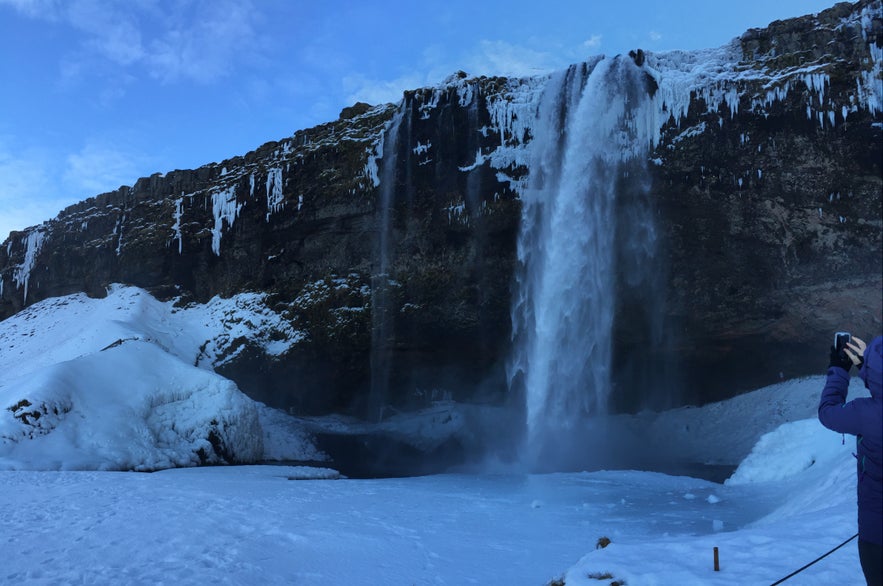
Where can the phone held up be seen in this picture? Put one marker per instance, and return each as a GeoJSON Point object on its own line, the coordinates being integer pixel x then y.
{"type": "Point", "coordinates": [841, 339]}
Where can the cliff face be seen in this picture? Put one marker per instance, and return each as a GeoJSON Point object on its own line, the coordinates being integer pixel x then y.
{"type": "Point", "coordinates": [772, 203]}
{"type": "Point", "coordinates": [387, 240]}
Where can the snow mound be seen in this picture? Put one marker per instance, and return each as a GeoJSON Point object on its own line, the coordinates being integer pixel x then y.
{"type": "Point", "coordinates": [125, 383]}
{"type": "Point", "coordinates": [788, 451]}
{"type": "Point", "coordinates": [131, 407]}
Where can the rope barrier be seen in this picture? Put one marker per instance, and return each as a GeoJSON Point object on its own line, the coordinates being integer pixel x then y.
{"type": "Point", "coordinates": [794, 573]}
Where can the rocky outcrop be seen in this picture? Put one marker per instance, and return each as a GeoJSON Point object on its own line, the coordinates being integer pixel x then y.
{"type": "Point", "coordinates": [388, 237]}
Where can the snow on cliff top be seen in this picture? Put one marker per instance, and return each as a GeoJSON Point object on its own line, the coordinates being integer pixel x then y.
{"type": "Point", "coordinates": [62, 328]}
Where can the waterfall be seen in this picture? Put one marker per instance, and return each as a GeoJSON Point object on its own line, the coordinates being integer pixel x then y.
{"type": "Point", "coordinates": [382, 310]}
{"type": "Point", "coordinates": [596, 122]}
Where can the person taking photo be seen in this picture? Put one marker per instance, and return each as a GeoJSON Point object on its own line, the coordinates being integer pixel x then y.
{"type": "Point", "coordinates": [863, 418]}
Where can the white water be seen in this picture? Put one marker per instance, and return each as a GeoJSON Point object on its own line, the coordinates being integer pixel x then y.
{"type": "Point", "coordinates": [593, 119]}
{"type": "Point", "coordinates": [381, 320]}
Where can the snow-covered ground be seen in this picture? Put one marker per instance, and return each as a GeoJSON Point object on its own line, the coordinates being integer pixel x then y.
{"type": "Point", "coordinates": [115, 387]}
{"type": "Point", "coordinates": [267, 525]}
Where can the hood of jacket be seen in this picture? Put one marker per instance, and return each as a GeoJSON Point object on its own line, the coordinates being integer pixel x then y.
{"type": "Point", "coordinates": [872, 369]}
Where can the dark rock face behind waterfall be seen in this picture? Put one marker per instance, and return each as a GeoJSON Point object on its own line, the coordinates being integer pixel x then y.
{"type": "Point", "coordinates": [766, 190]}
{"type": "Point", "coordinates": [773, 216]}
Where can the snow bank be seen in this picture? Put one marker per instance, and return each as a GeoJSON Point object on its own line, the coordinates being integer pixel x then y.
{"type": "Point", "coordinates": [132, 407]}
{"type": "Point", "coordinates": [725, 432]}
{"type": "Point", "coordinates": [804, 474]}
{"type": "Point", "coordinates": [815, 464]}
{"type": "Point", "coordinates": [789, 450]}
{"type": "Point", "coordinates": [125, 382]}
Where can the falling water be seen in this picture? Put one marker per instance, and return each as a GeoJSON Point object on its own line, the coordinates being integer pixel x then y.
{"type": "Point", "coordinates": [382, 314]}
{"type": "Point", "coordinates": [594, 124]}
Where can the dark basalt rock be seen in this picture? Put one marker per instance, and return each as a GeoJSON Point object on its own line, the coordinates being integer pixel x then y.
{"type": "Point", "coordinates": [638, 57]}
{"type": "Point", "coordinates": [356, 109]}
{"type": "Point", "coordinates": [768, 209]}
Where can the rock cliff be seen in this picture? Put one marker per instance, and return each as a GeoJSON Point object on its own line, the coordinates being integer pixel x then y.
{"type": "Point", "coordinates": [386, 241]}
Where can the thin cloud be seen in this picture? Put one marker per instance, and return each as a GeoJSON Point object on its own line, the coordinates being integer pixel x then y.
{"type": "Point", "coordinates": [223, 35]}
{"type": "Point", "coordinates": [199, 41]}
{"type": "Point", "coordinates": [487, 58]}
{"type": "Point", "coordinates": [593, 42]}
{"type": "Point", "coordinates": [112, 30]}
{"type": "Point", "coordinates": [374, 91]}
{"type": "Point", "coordinates": [97, 169]}
{"type": "Point", "coordinates": [502, 58]}
{"type": "Point", "coordinates": [27, 194]}
{"type": "Point", "coordinates": [45, 9]}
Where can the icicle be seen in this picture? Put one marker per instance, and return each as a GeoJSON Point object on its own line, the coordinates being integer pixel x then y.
{"type": "Point", "coordinates": [176, 227]}
{"type": "Point", "coordinates": [120, 240]}
{"type": "Point", "coordinates": [224, 209]}
{"type": "Point", "coordinates": [275, 199]}
{"type": "Point", "coordinates": [33, 243]}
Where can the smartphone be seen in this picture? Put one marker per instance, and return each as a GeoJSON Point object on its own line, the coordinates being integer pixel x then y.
{"type": "Point", "coordinates": [841, 339]}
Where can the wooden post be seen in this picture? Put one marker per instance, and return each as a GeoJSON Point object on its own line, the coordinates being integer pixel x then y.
{"type": "Point", "coordinates": [717, 563]}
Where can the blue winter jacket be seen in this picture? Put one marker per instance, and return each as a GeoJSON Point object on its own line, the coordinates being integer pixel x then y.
{"type": "Point", "coordinates": [864, 419]}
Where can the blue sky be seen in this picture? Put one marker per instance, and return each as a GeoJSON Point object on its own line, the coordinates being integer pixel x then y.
{"type": "Point", "coordinates": [97, 93]}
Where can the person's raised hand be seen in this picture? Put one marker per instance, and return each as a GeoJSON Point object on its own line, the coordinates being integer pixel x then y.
{"type": "Point", "coordinates": [855, 350]}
